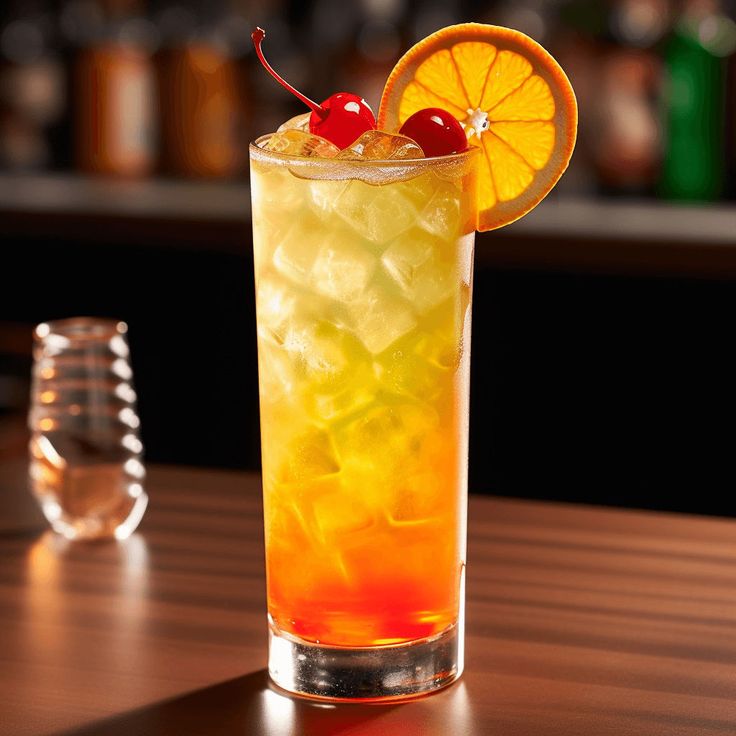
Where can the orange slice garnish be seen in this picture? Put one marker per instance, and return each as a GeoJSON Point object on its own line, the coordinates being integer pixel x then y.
{"type": "Point", "coordinates": [512, 98]}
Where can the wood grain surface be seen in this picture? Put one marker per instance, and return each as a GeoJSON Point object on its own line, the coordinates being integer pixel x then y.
{"type": "Point", "coordinates": [581, 621]}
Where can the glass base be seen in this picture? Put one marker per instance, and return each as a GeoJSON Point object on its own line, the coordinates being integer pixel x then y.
{"type": "Point", "coordinates": [366, 673]}
{"type": "Point", "coordinates": [118, 524]}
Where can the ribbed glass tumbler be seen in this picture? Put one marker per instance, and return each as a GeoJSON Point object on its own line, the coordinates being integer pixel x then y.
{"type": "Point", "coordinates": [86, 468]}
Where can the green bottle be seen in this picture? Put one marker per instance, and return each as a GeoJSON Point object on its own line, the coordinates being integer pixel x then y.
{"type": "Point", "coordinates": [695, 61]}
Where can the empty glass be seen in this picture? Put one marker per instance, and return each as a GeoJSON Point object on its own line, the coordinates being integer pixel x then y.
{"type": "Point", "coordinates": [85, 452]}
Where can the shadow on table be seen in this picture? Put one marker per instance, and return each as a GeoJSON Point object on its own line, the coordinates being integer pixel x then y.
{"type": "Point", "coordinates": [244, 705]}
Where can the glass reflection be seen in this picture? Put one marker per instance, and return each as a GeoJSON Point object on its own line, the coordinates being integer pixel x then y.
{"type": "Point", "coordinates": [446, 712]}
{"type": "Point", "coordinates": [69, 585]}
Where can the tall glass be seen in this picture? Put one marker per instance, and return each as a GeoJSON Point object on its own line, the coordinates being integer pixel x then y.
{"type": "Point", "coordinates": [363, 293]}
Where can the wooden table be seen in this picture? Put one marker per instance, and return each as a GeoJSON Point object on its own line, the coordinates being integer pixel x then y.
{"type": "Point", "coordinates": [581, 621]}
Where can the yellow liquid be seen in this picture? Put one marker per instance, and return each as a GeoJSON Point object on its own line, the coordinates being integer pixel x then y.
{"type": "Point", "coordinates": [363, 306]}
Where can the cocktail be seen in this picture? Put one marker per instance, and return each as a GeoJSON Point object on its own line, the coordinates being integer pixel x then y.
{"type": "Point", "coordinates": [363, 254]}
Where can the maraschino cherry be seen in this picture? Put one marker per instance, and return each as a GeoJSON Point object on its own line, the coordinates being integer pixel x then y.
{"type": "Point", "coordinates": [342, 118]}
{"type": "Point", "coordinates": [436, 131]}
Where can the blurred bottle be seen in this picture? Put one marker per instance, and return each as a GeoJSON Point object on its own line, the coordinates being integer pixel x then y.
{"type": "Point", "coordinates": [115, 115]}
{"type": "Point", "coordinates": [696, 61]}
{"type": "Point", "coordinates": [198, 94]}
{"type": "Point", "coordinates": [731, 127]}
{"type": "Point", "coordinates": [236, 26]}
{"type": "Point", "coordinates": [575, 40]}
{"type": "Point", "coordinates": [628, 139]}
{"type": "Point", "coordinates": [32, 87]}
{"type": "Point", "coordinates": [80, 23]}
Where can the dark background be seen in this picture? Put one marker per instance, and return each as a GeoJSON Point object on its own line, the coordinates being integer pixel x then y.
{"type": "Point", "coordinates": [602, 360]}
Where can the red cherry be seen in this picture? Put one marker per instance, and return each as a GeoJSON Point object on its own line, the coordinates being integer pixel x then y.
{"type": "Point", "coordinates": [436, 131]}
{"type": "Point", "coordinates": [342, 118]}
{"type": "Point", "coordinates": [346, 118]}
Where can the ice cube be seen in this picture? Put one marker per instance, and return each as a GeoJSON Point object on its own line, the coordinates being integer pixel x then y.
{"type": "Point", "coordinates": [420, 499]}
{"type": "Point", "coordinates": [404, 258]}
{"type": "Point", "coordinates": [293, 261]}
{"type": "Point", "coordinates": [324, 194]}
{"type": "Point", "coordinates": [342, 269]}
{"type": "Point", "coordinates": [276, 206]}
{"type": "Point", "coordinates": [298, 122]}
{"type": "Point", "coordinates": [411, 368]}
{"type": "Point", "coordinates": [424, 267]}
{"type": "Point", "coordinates": [298, 143]}
{"type": "Point", "coordinates": [336, 514]}
{"type": "Point", "coordinates": [315, 365]}
{"type": "Point", "coordinates": [446, 327]}
{"type": "Point", "coordinates": [298, 249]}
{"type": "Point", "coordinates": [441, 215]}
{"type": "Point", "coordinates": [332, 371]}
{"type": "Point", "coordinates": [387, 441]}
{"type": "Point", "coordinates": [285, 524]}
{"type": "Point", "coordinates": [336, 401]}
{"type": "Point", "coordinates": [307, 457]}
{"type": "Point", "coordinates": [276, 306]}
{"type": "Point", "coordinates": [427, 488]}
{"type": "Point", "coordinates": [276, 375]}
{"type": "Point", "coordinates": [317, 348]}
{"type": "Point", "coordinates": [312, 518]}
{"type": "Point", "coordinates": [375, 144]}
{"type": "Point", "coordinates": [378, 318]}
{"type": "Point", "coordinates": [377, 213]}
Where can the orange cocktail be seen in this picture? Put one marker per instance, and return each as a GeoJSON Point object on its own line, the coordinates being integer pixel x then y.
{"type": "Point", "coordinates": [363, 284]}
{"type": "Point", "coordinates": [363, 237]}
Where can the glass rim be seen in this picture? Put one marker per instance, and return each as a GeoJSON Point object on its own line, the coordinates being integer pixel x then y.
{"type": "Point", "coordinates": [80, 327]}
{"type": "Point", "coordinates": [358, 165]}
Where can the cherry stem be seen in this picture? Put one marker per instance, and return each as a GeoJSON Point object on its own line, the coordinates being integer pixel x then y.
{"type": "Point", "coordinates": [258, 35]}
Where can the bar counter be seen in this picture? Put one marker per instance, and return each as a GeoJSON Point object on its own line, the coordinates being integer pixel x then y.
{"type": "Point", "coordinates": [581, 621]}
